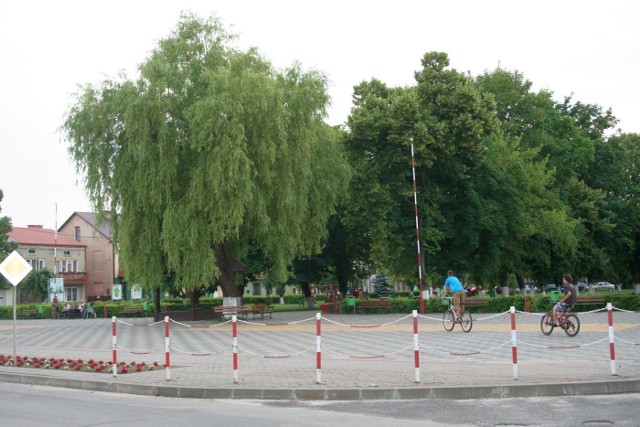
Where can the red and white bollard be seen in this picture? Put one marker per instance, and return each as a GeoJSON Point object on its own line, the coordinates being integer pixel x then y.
{"type": "Point", "coordinates": [514, 343]}
{"type": "Point", "coordinates": [612, 350]}
{"type": "Point", "coordinates": [318, 348]}
{"type": "Point", "coordinates": [234, 345]}
{"type": "Point", "coordinates": [416, 346]}
{"type": "Point", "coordinates": [167, 354]}
{"type": "Point", "coordinates": [114, 367]}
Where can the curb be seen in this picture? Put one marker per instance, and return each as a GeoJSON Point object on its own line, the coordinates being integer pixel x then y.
{"type": "Point", "coordinates": [458, 392]}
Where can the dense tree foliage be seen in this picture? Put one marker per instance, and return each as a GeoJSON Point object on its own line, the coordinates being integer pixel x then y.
{"type": "Point", "coordinates": [6, 246]}
{"type": "Point", "coordinates": [35, 286]}
{"type": "Point", "coordinates": [208, 151]}
{"type": "Point", "coordinates": [211, 156]}
{"type": "Point", "coordinates": [382, 287]}
{"type": "Point", "coordinates": [510, 183]}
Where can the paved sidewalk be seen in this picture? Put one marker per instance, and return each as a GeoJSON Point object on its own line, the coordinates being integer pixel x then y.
{"type": "Point", "coordinates": [363, 357]}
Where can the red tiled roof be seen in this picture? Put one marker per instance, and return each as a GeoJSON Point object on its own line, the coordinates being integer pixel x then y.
{"type": "Point", "coordinates": [35, 235]}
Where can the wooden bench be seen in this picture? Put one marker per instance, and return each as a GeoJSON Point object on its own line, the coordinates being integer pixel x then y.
{"type": "Point", "coordinates": [32, 312]}
{"type": "Point", "coordinates": [380, 304]}
{"type": "Point", "coordinates": [475, 302]}
{"type": "Point", "coordinates": [132, 309]}
{"type": "Point", "coordinates": [590, 299]}
{"type": "Point", "coordinates": [261, 309]}
{"type": "Point", "coordinates": [224, 311]}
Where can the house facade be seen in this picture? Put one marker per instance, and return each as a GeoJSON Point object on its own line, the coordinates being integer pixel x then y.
{"type": "Point", "coordinates": [47, 249]}
{"type": "Point", "coordinates": [102, 263]}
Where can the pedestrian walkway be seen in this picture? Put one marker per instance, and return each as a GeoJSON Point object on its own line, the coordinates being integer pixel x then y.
{"type": "Point", "coordinates": [362, 356]}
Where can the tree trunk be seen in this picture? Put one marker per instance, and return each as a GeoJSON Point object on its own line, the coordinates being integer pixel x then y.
{"type": "Point", "coordinates": [225, 263]}
{"type": "Point", "coordinates": [280, 289]}
{"type": "Point", "coordinates": [306, 290]}
{"type": "Point", "coordinates": [195, 299]}
{"type": "Point", "coordinates": [156, 303]}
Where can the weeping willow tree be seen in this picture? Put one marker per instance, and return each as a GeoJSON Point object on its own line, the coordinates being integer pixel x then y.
{"type": "Point", "coordinates": [209, 150]}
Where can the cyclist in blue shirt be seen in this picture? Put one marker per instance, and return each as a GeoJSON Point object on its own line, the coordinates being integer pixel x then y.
{"type": "Point", "coordinates": [452, 285]}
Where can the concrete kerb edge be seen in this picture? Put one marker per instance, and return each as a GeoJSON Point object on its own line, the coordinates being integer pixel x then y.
{"type": "Point", "coordinates": [441, 392]}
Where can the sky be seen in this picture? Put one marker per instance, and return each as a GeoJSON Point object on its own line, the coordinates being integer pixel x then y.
{"type": "Point", "coordinates": [582, 48]}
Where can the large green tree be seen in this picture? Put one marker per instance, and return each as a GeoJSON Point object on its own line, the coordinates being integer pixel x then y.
{"type": "Point", "coordinates": [615, 173]}
{"type": "Point", "coordinates": [450, 123]}
{"type": "Point", "coordinates": [6, 246]}
{"type": "Point", "coordinates": [209, 150]}
{"type": "Point", "coordinates": [524, 178]}
{"type": "Point", "coordinates": [35, 287]}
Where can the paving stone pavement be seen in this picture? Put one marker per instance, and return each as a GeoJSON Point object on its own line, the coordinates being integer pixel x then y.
{"type": "Point", "coordinates": [362, 356]}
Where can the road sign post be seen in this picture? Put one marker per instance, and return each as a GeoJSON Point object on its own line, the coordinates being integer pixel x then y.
{"type": "Point", "coordinates": [15, 268]}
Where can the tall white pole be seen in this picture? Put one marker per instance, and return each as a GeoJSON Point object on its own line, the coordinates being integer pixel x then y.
{"type": "Point", "coordinates": [55, 245]}
{"type": "Point", "coordinates": [415, 203]}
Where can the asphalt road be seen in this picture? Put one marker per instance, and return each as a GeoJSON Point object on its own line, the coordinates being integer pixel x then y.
{"type": "Point", "coordinates": [26, 406]}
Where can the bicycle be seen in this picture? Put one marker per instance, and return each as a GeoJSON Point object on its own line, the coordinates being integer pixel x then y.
{"type": "Point", "coordinates": [449, 318]}
{"type": "Point", "coordinates": [569, 322]}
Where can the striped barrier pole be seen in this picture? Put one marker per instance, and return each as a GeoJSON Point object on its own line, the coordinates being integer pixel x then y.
{"type": "Point", "coordinates": [416, 347]}
{"type": "Point", "coordinates": [415, 204]}
{"type": "Point", "coordinates": [514, 343]}
{"type": "Point", "coordinates": [234, 345]}
{"type": "Point", "coordinates": [318, 348]}
{"type": "Point", "coordinates": [114, 367]}
{"type": "Point", "coordinates": [167, 355]}
{"type": "Point", "coordinates": [612, 350]}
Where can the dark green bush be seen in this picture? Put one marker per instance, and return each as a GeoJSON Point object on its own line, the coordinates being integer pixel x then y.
{"type": "Point", "coordinates": [537, 303]}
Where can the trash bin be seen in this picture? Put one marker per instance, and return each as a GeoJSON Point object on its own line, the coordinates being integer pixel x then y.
{"type": "Point", "coordinates": [41, 310]}
{"type": "Point", "coordinates": [555, 296]}
{"type": "Point", "coordinates": [145, 306]}
{"type": "Point", "coordinates": [351, 302]}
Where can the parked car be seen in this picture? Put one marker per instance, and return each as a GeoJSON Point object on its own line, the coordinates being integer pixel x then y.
{"type": "Point", "coordinates": [604, 286]}
{"type": "Point", "coordinates": [550, 287]}
{"type": "Point", "coordinates": [582, 286]}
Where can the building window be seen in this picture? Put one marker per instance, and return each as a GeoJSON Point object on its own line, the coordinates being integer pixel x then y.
{"type": "Point", "coordinates": [36, 264]}
{"type": "Point", "coordinates": [67, 253]}
{"type": "Point", "coordinates": [71, 294]}
{"type": "Point", "coordinates": [77, 233]}
{"type": "Point", "coordinates": [31, 252]}
{"type": "Point", "coordinates": [68, 266]}
{"type": "Point", "coordinates": [256, 288]}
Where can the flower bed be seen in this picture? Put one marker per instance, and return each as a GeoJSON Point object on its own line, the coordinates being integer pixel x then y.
{"type": "Point", "coordinates": [76, 364]}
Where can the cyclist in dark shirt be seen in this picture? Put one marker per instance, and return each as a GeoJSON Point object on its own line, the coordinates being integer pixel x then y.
{"type": "Point", "coordinates": [567, 301]}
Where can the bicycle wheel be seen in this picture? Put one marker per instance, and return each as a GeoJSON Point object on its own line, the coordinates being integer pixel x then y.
{"type": "Point", "coordinates": [571, 325]}
{"type": "Point", "coordinates": [467, 321]}
{"type": "Point", "coordinates": [546, 323]}
{"type": "Point", "coordinates": [448, 320]}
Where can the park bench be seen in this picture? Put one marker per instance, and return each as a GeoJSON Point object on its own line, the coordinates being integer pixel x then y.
{"type": "Point", "coordinates": [590, 299]}
{"type": "Point", "coordinates": [475, 302]}
{"type": "Point", "coordinates": [226, 311]}
{"type": "Point", "coordinates": [32, 312]}
{"type": "Point", "coordinates": [379, 304]}
{"type": "Point", "coordinates": [262, 310]}
{"type": "Point", "coordinates": [132, 309]}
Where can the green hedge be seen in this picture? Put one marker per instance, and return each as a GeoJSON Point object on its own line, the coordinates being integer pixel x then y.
{"type": "Point", "coordinates": [537, 303]}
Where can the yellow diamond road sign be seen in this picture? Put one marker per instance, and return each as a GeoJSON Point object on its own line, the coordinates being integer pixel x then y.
{"type": "Point", "coordinates": [15, 268]}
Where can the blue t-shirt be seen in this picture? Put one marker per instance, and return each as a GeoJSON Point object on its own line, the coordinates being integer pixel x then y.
{"type": "Point", "coordinates": [454, 284]}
